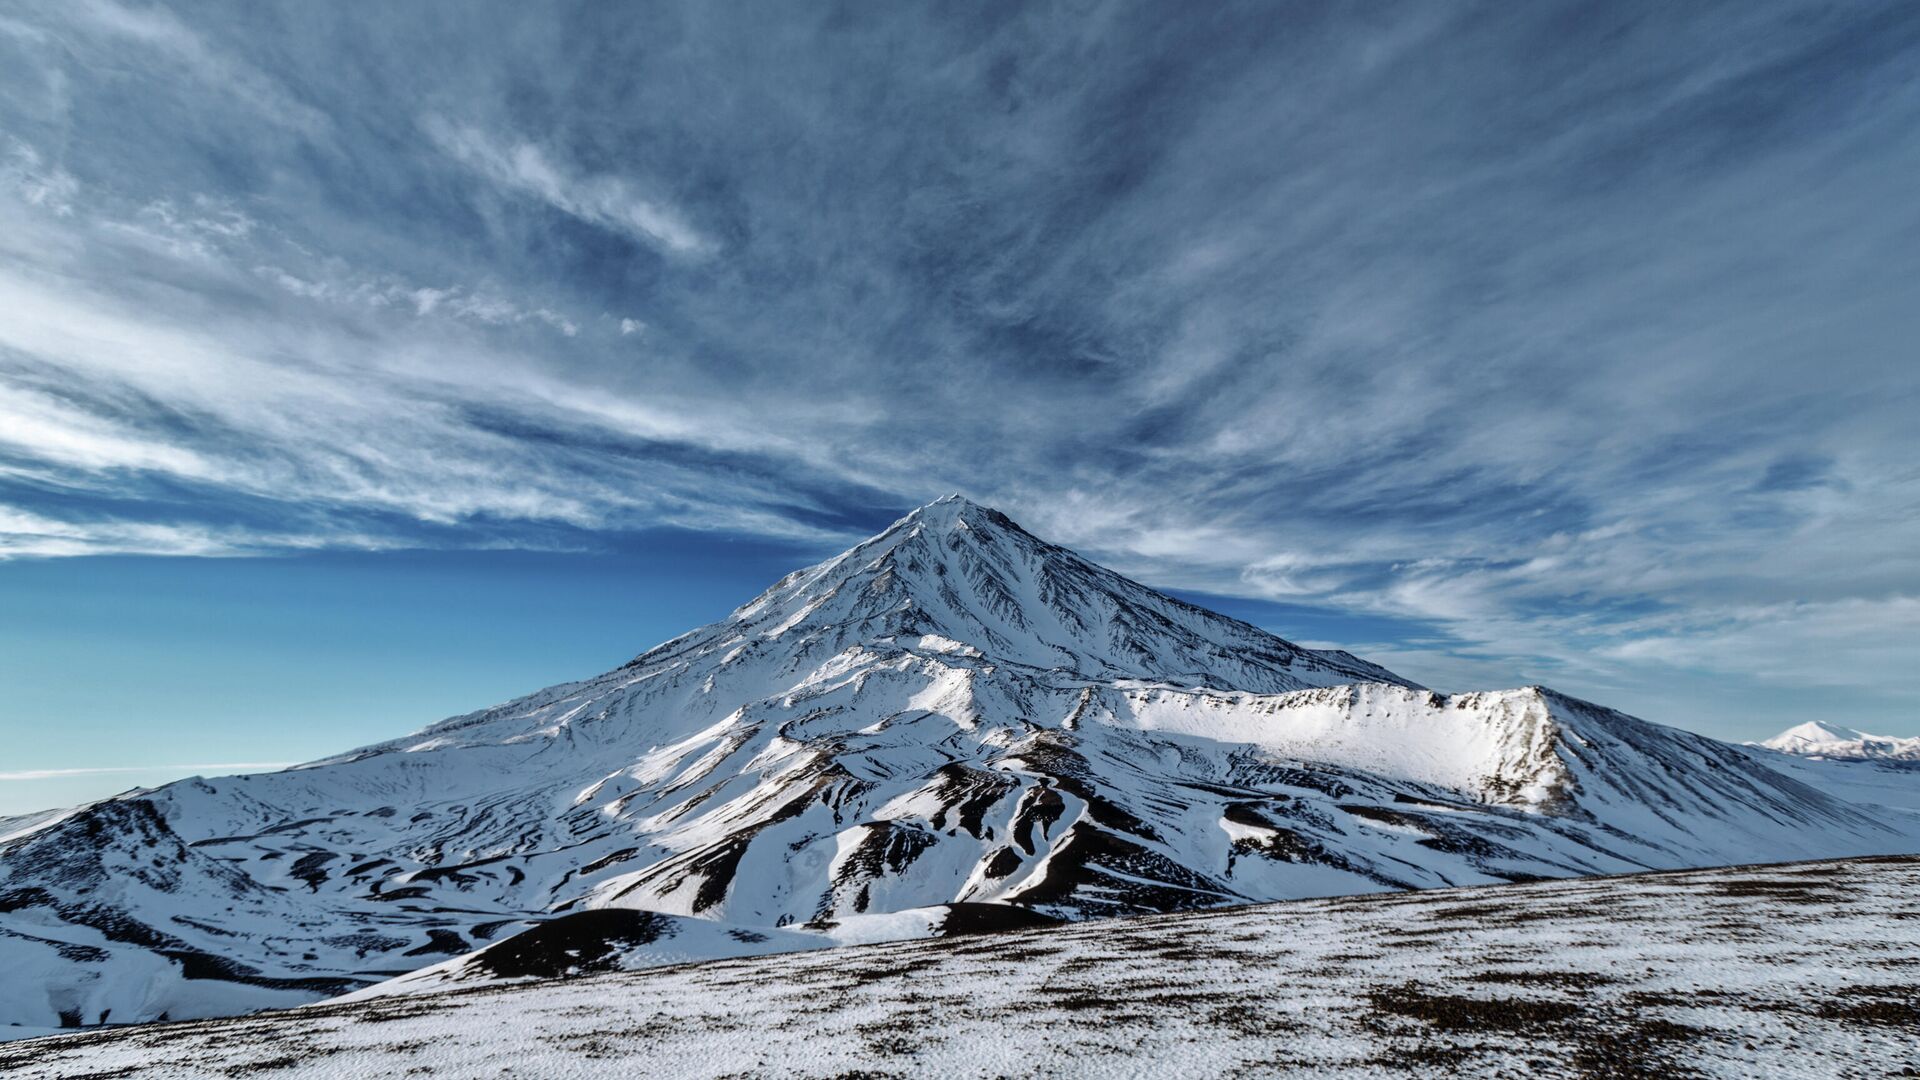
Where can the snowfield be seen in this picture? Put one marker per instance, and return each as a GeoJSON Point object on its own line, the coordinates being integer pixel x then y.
{"type": "Point", "coordinates": [1809, 969]}
{"type": "Point", "coordinates": [951, 726]}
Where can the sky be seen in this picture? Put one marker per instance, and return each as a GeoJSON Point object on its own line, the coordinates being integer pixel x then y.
{"type": "Point", "coordinates": [365, 364]}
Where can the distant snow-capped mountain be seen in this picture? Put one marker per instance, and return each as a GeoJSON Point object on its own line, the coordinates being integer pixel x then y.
{"type": "Point", "coordinates": [1817, 738]}
{"type": "Point", "coordinates": [953, 724]}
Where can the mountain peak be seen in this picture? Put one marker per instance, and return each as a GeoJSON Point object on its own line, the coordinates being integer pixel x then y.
{"type": "Point", "coordinates": [950, 511]}
{"type": "Point", "coordinates": [960, 578]}
{"type": "Point", "coordinates": [951, 500]}
{"type": "Point", "coordinates": [1815, 731]}
{"type": "Point", "coordinates": [1818, 738]}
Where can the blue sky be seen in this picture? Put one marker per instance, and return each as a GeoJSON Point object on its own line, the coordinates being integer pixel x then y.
{"type": "Point", "coordinates": [363, 365]}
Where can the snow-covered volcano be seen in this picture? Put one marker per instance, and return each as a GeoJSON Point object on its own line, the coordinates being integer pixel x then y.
{"type": "Point", "coordinates": [950, 720]}
{"type": "Point", "coordinates": [1817, 738]}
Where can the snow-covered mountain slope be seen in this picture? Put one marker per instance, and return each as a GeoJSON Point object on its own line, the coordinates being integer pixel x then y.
{"type": "Point", "coordinates": [1702, 973]}
{"type": "Point", "coordinates": [953, 712]}
{"type": "Point", "coordinates": [1817, 738]}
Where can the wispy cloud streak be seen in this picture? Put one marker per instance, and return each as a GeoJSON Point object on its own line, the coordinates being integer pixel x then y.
{"type": "Point", "coordinates": [605, 200]}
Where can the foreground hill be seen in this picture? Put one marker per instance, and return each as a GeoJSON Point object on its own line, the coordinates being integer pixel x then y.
{"type": "Point", "coordinates": [951, 713]}
{"type": "Point", "coordinates": [1810, 969]}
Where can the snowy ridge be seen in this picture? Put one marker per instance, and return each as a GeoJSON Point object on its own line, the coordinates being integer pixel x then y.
{"type": "Point", "coordinates": [951, 713]}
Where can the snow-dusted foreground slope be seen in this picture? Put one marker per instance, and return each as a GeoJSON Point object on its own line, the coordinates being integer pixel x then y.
{"type": "Point", "coordinates": [1800, 970]}
{"type": "Point", "coordinates": [953, 712]}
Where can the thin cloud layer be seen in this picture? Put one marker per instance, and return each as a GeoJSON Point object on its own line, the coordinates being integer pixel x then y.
{"type": "Point", "coordinates": [607, 201]}
{"type": "Point", "coordinates": [1572, 344]}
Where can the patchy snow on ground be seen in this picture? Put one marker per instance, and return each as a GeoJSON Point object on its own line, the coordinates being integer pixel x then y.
{"type": "Point", "coordinates": [1806, 969]}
